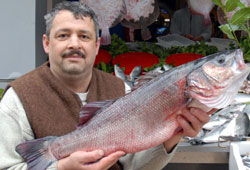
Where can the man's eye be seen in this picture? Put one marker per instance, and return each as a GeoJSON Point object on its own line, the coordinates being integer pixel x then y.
{"type": "Point", "coordinates": [62, 36]}
{"type": "Point", "coordinates": [85, 37]}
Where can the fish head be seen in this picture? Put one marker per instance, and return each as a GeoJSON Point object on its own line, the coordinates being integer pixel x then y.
{"type": "Point", "coordinates": [224, 69]}
{"type": "Point", "coordinates": [218, 80]}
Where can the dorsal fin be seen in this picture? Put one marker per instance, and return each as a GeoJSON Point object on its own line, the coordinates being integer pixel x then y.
{"type": "Point", "coordinates": [89, 110]}
{"type": "Point", "coordinates": [146, 77]}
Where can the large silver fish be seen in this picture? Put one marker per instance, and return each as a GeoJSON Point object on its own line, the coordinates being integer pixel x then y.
{"type": "Point", "coordinates": [146, 117]}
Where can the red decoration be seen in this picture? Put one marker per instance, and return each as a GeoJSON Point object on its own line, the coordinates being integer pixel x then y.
{"type": "Point", "coordinates": [182, 58]}
{"type": "Point", "coordinates": [104, 56]}
{"type": "Point", "coordinates": [133, 59]}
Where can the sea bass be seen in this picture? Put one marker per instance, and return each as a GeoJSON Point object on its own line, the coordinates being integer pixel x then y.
{"type": "Point", "coordinates": [146, 117]}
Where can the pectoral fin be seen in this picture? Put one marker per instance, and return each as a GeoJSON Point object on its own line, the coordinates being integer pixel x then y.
{"type": "Point", "coordinates": [91, 109]}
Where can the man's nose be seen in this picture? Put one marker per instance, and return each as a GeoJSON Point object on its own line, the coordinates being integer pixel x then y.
{"type": "Point", "coordinates": [74, 42]}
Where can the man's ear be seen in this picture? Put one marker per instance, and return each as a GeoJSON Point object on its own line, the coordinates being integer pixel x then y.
{"type": "Point", "coordinates": [46, 43]}
{"type": "Point", "coordinates": [98, 42]}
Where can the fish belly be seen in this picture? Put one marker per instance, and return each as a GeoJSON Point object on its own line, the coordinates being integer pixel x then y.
{"type": "Point", "coordinates": [130, 124]}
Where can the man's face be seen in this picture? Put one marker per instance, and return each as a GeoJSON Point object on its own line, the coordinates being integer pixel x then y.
{"type": "Point", "coordinates": [72, 45]}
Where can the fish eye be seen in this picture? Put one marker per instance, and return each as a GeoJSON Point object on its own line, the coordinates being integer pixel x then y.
{"type": "Point", "coordinates": [221, 60]}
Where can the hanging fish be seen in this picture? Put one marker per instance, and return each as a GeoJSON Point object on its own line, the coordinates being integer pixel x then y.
{"type": "Point", "coordinates": [140, 14]}
{"type": "Point", "coordinates": [202, 7]}
{"type": "Point", "coordinates": [109, 13]}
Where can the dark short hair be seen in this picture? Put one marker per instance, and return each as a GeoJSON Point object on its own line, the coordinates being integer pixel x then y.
{"type": "Point", "coordinates": [78, 9]}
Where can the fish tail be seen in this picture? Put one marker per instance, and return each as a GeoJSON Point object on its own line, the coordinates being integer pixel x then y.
{"type": "Point", "coordinates": [37, 153]}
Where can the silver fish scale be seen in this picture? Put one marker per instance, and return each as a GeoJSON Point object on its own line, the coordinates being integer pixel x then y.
{"type": "Point", "coordinates": [130, 123]}
{"type": "Point", "coordinates": [129, 119]}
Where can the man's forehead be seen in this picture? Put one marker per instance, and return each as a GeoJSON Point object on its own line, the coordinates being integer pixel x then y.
{"type": "Point", "coordinates": [64, 14]}
{"type": "Point", "coordinates": [64, 17]}
{"type": "Point", "coordinates": [65, 21]}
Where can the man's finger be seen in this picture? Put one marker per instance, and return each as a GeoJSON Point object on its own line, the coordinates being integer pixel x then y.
{"type": "Point", "coordinates": [200, 115]}
{"type": "Point", "coordinates": [107, 162]}
{"type": "Point", "coordinates": [194, 122]}
{"type": "Point", "coordinates": [88, 157]}
{"type": "Point", "coordinates": [185, 125]}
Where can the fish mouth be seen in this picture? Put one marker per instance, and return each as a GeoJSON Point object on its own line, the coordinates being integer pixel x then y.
{"type": "Point", "coordinates": [215, 84]}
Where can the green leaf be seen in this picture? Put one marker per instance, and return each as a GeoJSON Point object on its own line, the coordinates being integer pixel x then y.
{"type": "Point", "coordinates": [241, 16]}
{"type": "Point", "coordinates": [238, 27]}
{"type": "Point", "coordinates": [103, 66]}
{"type": "Point", "coordinates": [241, 5]}
{"type": "Point", "coordinates": [231, 5]}
{"type": "Point", "coordinates": [218, 3]}
{"type": "Point", "coordinates": [226, 30]}
{"type": "Point", "coordinates": [244, 28]}
{"type": "Point", "coordinates": [1, 93]}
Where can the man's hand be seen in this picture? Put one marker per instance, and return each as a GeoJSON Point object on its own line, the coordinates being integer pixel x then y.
{"type": "Point", "coordinates": [198, 38]}
{"type": "Point", "coordinates": [189, 36]}
{"type": "Point", "coordinates": [81, 160]}
{"type": "Point", "coordinates": [191, 121]}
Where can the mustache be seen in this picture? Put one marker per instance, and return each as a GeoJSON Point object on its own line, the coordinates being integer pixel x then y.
{"type": "Point", "coordinates": [72, 52]}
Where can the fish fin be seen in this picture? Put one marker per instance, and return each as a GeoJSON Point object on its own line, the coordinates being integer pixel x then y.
{"type": "Point", "coordinates": [141, 80]}
{"type": "Point", "coordinates": [91, 109]}
{"type": "Point", "coordinates": [119, 73]}
{"type": "Point", "coordinates": [166, 67]}
{"type": "Point", "coordinates": [36, 153]}
{"type": "Point", "coordinates": [135, 73]}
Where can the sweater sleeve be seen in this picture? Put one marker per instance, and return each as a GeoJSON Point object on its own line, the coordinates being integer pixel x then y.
{"type": "Point", "coordinates": [14, 129]}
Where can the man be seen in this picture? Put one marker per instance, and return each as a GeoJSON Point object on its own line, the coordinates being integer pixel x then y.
{"type": "Point", "coordinates": [46, 101]}
{"type": "Point", "coordinates": [190, 25]}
